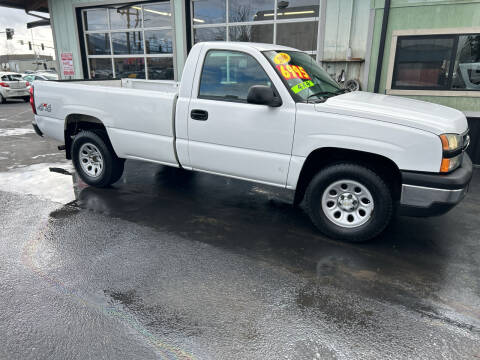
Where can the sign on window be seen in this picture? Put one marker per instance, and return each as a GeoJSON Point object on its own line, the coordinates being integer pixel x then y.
{"type": "Point", "coordinates": [67, 64]}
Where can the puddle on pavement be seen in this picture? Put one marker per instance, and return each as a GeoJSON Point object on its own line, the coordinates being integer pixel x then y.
{"type": "Point", "coordinates": [41, 181]}
{"type": "Point", "coordinates": [16, 131]}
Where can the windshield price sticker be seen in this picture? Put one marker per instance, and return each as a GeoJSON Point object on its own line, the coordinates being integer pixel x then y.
{"type": "Point", "coordinates": [293, 72]}
{"type": "Point", "coordinates": [281, 58]}
{"type": "Point", "coordinates": [302, 86]}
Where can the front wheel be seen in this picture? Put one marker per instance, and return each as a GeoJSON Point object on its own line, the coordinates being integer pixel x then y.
{"type": "Point", "coordinates": [95, 160]}
{"type": "Point", "coordinates": [349, 202]}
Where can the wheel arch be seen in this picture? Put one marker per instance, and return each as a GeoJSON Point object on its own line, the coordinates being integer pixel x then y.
{"type": "Point", "coordinates": [74, 123]}
{"type": "Point", "coordinates": [323, 157]}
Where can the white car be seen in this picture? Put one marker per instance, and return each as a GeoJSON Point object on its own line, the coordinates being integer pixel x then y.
{"type": "Point", "coordinates": [269, 114]}
{"type": "Point", "coordinates": [12, 86]}
{"type": "Point", "coordinates": [40, 76]}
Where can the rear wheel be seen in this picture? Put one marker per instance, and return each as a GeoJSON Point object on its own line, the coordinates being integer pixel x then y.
{"type": "Point", "coordinates": [95, 160]}
{"type": "Point", "coordinates": [2, 99]}
{"type": "Point", "coordinates": [349, 202]}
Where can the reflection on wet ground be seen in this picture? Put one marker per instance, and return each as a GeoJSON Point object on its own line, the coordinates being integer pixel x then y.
{"type": "Point", "coordinates": [172, 264]}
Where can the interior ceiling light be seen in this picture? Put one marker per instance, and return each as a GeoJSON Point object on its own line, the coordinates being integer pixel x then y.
{"type": "Point", "coordinates": [152, 11]}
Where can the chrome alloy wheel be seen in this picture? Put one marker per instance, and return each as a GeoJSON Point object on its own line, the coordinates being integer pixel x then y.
{"type": "Point", "coordinates": [347, 203]}
{"type": "Point", "coordinates": [91, 160]}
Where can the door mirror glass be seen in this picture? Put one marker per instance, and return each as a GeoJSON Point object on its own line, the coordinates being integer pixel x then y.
{"type": "Point", "coordinates": [263, 95]}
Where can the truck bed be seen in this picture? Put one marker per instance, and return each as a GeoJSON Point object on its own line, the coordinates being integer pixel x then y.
{"type": "Point", "coordinates": [137, 114]}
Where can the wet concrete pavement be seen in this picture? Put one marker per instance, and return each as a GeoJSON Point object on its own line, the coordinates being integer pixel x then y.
{"type": "Point", "coordinates": [168, 264]}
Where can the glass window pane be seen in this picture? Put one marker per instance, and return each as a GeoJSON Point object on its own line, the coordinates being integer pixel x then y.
{"type": "Point", "coordinates": [467, 63]}
{"type": "Point", "coordinates": [252, 33]}
{"type": "Point", "coordinates": [422, 62]}
{"type": "Point", "coordinates": [250, 10]}
{"type": "Point", "coordinates": [126, 17]}
{"type": "Point", "coordinates": [98, 44]}
{"type": "Point", "coordinates": [300, 35]}
{"type": "Point", "coordinates": [159, 41]}
{"type": "Point", "coordinates": [127, 43]}
{"type": "Point", "coordinates": [208, 11]}
{"type": "Point", "coordinates": [160, 68]}
{"type": "Point", "coordinates": [130, 68]}
{"type": "Point", "coordinates": [297, 9]}
{"type": "Point", "coordinates": [230, 74]}
{"type": "Point", "coordinates": [157, 15]}
{"type": "Point", "coordinates": [95, 19]}
{"type": "Point", "coordinates": [101, 69]}
{"type": "Point", "coordinates": [209, 34]}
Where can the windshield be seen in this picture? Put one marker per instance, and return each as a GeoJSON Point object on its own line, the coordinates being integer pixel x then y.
{"type": "Point", "coordinates": [305, 79]}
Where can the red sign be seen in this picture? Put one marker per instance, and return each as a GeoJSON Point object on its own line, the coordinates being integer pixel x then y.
{"type": "Point", "coordinates": [293, 71]}
{"type": "Point", "coordinates": [67, 64]}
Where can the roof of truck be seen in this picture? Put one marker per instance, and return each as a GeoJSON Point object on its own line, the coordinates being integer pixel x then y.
{"type": "Point", "coordinates": [258, 46]}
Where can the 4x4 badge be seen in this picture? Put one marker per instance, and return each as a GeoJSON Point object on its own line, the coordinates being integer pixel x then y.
{"type": "Point", "coordinates": [44, 107]}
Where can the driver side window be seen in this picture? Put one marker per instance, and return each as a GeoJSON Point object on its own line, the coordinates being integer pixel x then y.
{"type": "Point", "coordinates": [228, 75]}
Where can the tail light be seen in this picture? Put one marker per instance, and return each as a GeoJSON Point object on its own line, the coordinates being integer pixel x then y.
{"type": "Point", "coordinates": [2, 84]}
{"type": "Point", "coordinates": [32, 101]}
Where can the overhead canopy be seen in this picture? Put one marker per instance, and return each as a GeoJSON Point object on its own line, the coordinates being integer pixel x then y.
{"type": "Point", "coordinates": [27, 5]}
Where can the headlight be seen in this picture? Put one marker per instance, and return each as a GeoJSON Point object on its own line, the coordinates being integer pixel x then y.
{"type": "Point", "coordinates": [452, 145]}
{"type": "Point", "coordinates": [451, 142]}
{"type": "Point", "coordinates": [450, 164]}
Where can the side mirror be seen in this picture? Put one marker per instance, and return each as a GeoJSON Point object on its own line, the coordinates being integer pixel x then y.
{"type": "Point", "coordinates": [263, 95]}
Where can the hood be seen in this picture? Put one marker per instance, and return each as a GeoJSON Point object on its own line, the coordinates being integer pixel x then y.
{"type": "Point", "coordinates": [417, 114]}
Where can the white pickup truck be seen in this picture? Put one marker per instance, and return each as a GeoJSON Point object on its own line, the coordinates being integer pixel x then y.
{"type": "Point", "coordinates": [269, 114]}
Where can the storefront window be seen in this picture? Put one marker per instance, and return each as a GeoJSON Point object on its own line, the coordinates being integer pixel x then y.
{"type": "Point", "coordinates": [160, 68]}
{"type": "Point", "coordinates": [133, 68]}
{"type": "Point", "coordinates": [126, 17]}
{"type": "Point", "coordinates": [159, 41]}
{"type": "Point", "coordinates": [210, 34]}
{"type": "Point", "coordinates": [98, 44]}
{"type": "Point", "coordinates": [157, 15]}
{"type": "Point", "coordinates": [249, 10]}
{"type": "Point", "coordinates": [209, 11]}
{"type": "Point", "coordinates": [423, 62]}
{"type": "Point", "coordinates": [437, 62]}
{"type": "Point", "coordinates": [467, 63]}
{"type": "Point", "coordinates": [95, 19]}
{"type": "Point", "coordinates": [295, 22]}
{"type": "Point", "coordinates": [125, 41]}
{"type": "Point", "coordinates": [295, 9]}
{"type": "Point", "coordinates": [299, 35]}
{"type": "Point", "coordinates": [101, 69]}
{"type": "Point", "coordinates": [252, 33]}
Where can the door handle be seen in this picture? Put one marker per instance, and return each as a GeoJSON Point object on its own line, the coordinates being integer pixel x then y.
{"type": "Point", "coordinates": [197, 114]}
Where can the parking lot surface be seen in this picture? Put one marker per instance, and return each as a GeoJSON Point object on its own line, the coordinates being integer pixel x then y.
{"type": "Point", "coordinates": [168, 264]}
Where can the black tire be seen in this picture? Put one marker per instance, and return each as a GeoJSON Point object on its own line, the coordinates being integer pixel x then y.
{"type": "Point", "coordinates": [26, 99]}
{"type": "Point", "coordinates": [2, 100]}
{"type": "Point", "coordinates": [380, 193]}
{"type": "Point", "coordinates": [112, 168]}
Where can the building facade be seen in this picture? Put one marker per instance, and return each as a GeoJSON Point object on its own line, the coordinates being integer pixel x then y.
{"type": "Point", "coordinates": [24, 62]}
{"type": "Point", "coordinates": [424, 49]}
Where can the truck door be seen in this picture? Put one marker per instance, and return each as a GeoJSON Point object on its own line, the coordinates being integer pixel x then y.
{"type": "Point", "coordinates": [229, 136]}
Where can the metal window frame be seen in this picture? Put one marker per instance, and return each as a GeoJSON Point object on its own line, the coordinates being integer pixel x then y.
{"type": "Point", "coordinates": [451, 67]}
{"type": "Point", "coordinates": [109, 31]}
{"type": "Point", "coordinates": [274, 22]}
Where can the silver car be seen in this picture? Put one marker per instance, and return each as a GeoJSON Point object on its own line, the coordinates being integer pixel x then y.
{"type": "Point", "coordinates": [12, 86]}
